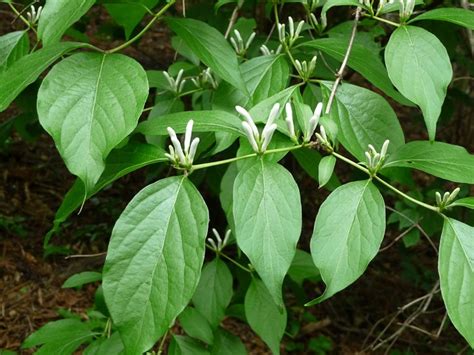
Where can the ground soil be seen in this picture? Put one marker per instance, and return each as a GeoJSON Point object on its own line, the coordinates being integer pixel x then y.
{"type": "Point", "coordinates": [33, 181]}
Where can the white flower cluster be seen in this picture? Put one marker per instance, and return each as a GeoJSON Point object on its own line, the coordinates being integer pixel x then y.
{"type": "Point", "coordinates": [406, 8]}
{"type": "Point", "coordinates": [304, 69]}
{"type": "Point", "coordinates": [33, 15]}
{"type": "Point", "coordinates": [265, 51]}
{"type": "Point", "coordinates": [447, 198]}
{"type": "Point", "coordinates": [290, 38]}
{"type": "Point", "coordinates": [205, 78]}
{"type": "Point", "coordinates": [375, 160]}
{"type": "Point", "coordinates": [310, 127]}
{"type": "Point", "coordinates": [221, 243]}
{"type": "Point", "coordinates": [238, 43]}
{"type": "Point", "coordinates": [259, 141]}
{"type": "Point", "coordinates": [180, 156]}
{"type": "Point", "coordinates": [176, 85]}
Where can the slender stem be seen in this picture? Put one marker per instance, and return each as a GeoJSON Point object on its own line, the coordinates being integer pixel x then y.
{"type": "Point", "coordinates": [162, 342]}
{"type": "Point", "coordinates": [414, 200]}
{"type": "Point", "coordinates": [189, 92]}
{"type": "Point", "coordinates": [142, 32]}
{"type": "Point", "coordinates": [233, 19]}
{"type": "Point", "coordinates": [252, 155]}
{"type": "Point", "coordinates": [236, 263]}
{"type": "Point", "coordinates": [350, 162]}
{"type": "Point", "coordinates": [381, 19]}
{"type": "Point", "coordinates": [21, 17]}
{"type": "Point", "coordinates": [340, 72]}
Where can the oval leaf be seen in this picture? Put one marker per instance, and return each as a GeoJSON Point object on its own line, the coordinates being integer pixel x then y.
{"type": "Point", "coordinates": [89, 103]}
{"type": "Point", "coordinates": [347, 234]}
{"type": "Point", "coordinates": [455, 15]}
{"type": "Point", "coordinates": [214, 291]}
{"type": "Point", "coordinates": [13, 46]}
{"type": "Point", "coordinates": [456, 275]}
{"type": "Point", "coordinates": [264, 316]}
{"type": "Point", "coordinates": [58, 15]}
{"type": "Point", "coordinates": [419, 67]}
{"type": "Point", "coordinates": [154, 260]}
{"type": "Point", "coordinates": [267, 217]}
{"type": "Point", "coordinates": [447, 161]}
{"type": "Point", "coordinates": [364, 117]}
{"type": "Point", "coordinates": [325, 169]}
{"type": "Point", "coordinates": [211, 47]}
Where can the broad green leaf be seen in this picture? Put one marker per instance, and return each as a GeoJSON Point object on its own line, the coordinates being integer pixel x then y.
{"type": "Point", "coordinates": [467, 202]}
{"type": "Point", "coordinates": [455, 15]}
{"type": "Point", "coordinates": [82, 278]}
{"type": "Point", "coordinates": [57, 16]}
{"type": "Point", "coordinates": [226, 343]}
{"type": "Point", "coordinates": [154, 260]}
{"type": "Point", "coordinates": [101, 346]}
{"type": "Point", "coordinates": [211, 47]}
{"type": "Point", "coordinates": [267, 216]}
{"type": "Point", "coordinates": [130, 14]}
{"type": "Point", "coordinates": [182, 345]}
{"type": "Point", "coordinates": [13, 46]}
{"type": "Point", "coordinates": [196, 325]}
{"type": "Point", "coordinates": [89, 103]}
{"type": "Point", "coordinates": [309, 160]}
{"type": "Point", "coordinates": [347, 234]}
{"type": "Point", "coordinates": [364, 117]}
{"type": "Point", "coordinates": [204, 121]}
{"type": "Point", "coordinates": [214, 291]}
{"type": "Point", "coordinates": [61, 337]}
{"type": "Point", "coordinates": [325, 169]}
{"type": "Point", "coordinates": [264, 316]}
{"type": "Point", "coordinates": [447, 161]}
{"type": "Point", "coordinates": [27, 69]}
{"type": "Point", "coordinates": [362, 60]}
{"type": "Point", "coordinates": [456, 275]}
{"type": "Point", "coordinates": [302, 267]}
{"type": "Point", "coordinates": [119, 163]}
{"type": "Point", "coordinates": [419, 67]}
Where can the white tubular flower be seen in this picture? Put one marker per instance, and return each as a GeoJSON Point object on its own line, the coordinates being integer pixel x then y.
{"type": "Point", "coordinates": [221, 242]}
{"type": "Point", "coordinates": [179, 156]}
{"type": "Point", "coordinates": [205, 79]}
{"type": "Point", "coordinates": [448, 198]}
{"type": "Point", "coordinates": [376, 160]}
{"type": "Point", "coordinates": [176, 85]}
{"type": "Point", "coordinates": [289, 122]}
{"type": "Point", "coordinates": [33, 15]}
{"type": "Point", "coordinates": [313, 122]}
{"type": "Point", "coordinates": [264, 50]}
{"type": "Point", "coordinates": [281, 32]}
{"type": "Point", "coordinates": [304, 69]}
{"type": "Point", "coordinates": [313, 20]}
{"type": "Point", "coordinates": [406, 9]}
{"type": "Point", "coordinates": [259, 141]}
{"type": "Point", "coordinates": [294, 32]}
{"type": "Point", "coordinates": [238, 43]}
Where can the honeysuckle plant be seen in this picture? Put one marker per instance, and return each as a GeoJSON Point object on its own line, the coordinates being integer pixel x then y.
{"type": "Point", "coordinates": [255, 114]}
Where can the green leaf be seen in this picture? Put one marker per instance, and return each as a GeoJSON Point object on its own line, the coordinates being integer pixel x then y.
{"type": "Point", "coordinates": [130, 14]}
{"type": "Point", "coordinates": [182, 345]}
{"type": "Point", "coordinates": [60, 337]}
{"type": "Point", "coordinates": [154, 260]}
{"type": "Point", "coordinates": [454, 15]}
{"type": "Point", "coordinates": [303, 267]}
{"type": "Point", "coordinates": [456, 275]}
{"type": "Point", "coordinates": [447, 161]}
{"type": "Point", "coordinates": [13, 46]}
{"type": "Point", "coordinates": [211, 47]}
{"type": "Point", "coordinates": [325, 169]}
{"type": "Point", "coordinates": [214, 291]}
{"type": "Point", "coordinates": [467, 202]}
{"type": "Point", "coordinates": [347, 234]}
{"type": "Point", "coordinates": [362, 60]}
{"type": "Point", "coordinates": [204, 121]}
{"type": "Point", "coordinates": [119, 163]}
{"type": "Point", "coordinates": [226, 343]}
{"type": "Point", "coordinates": [419, 67]}
{"type": "Point", "coordinates": [101, 346]}
{"type": "Point", "coordinates": [267, 215]}
{"type": "Point", "coordinates": [27, 69]}
{"type": "Point", "coordinates": [82, 278]}
{"type": "Point", "coordinates": [264, 316]}
{"type": "Point", "coordinates": [364, 117]}
{"type": "Point", "coordinates": [89, 103]}
{"type": "Point", "coordinates": [196, 325]}
{"type": "Point", "coordinates": [57, 16]}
